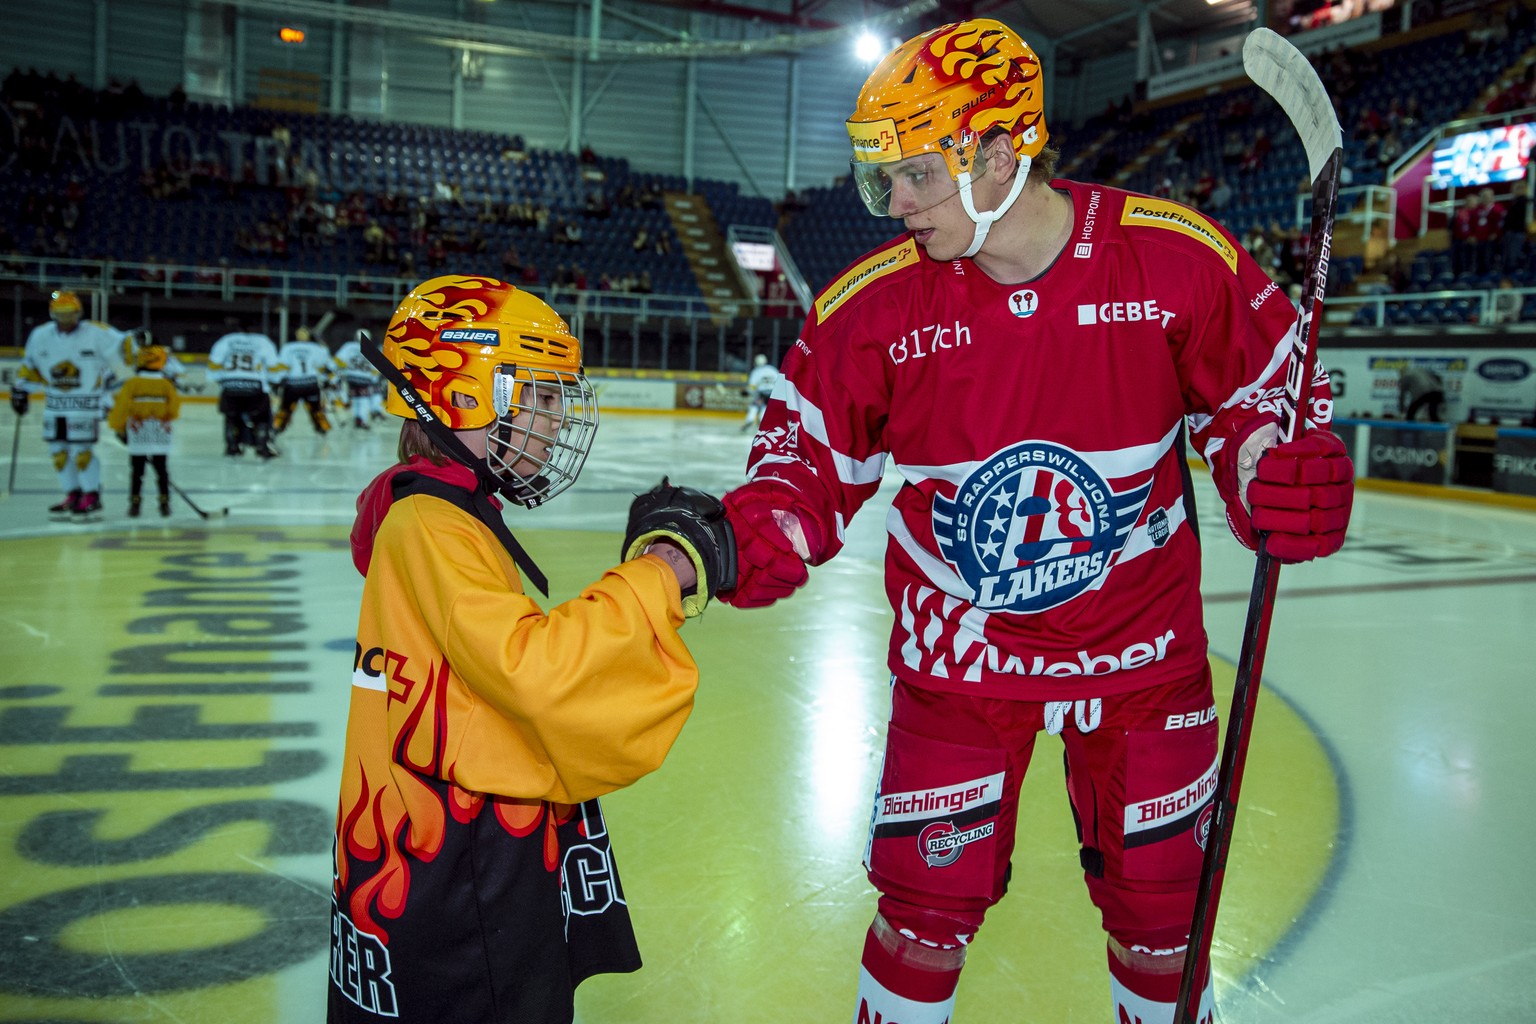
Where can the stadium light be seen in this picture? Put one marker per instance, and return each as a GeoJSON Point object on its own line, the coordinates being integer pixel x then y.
{"type": "Point", "coordinates": [867, 47]}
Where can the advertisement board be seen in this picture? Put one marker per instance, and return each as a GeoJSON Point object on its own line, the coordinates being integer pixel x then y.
{"type": "Point", "coordinates": [1499, 384]}
{"type": "Point", "coordinates": [1415, 453]}
{"type": "Point", "coordinates": [1514, 462]}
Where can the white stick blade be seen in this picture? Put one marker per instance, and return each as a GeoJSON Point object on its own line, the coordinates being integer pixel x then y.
{"type": "Point", "coordinates": [1283, 71]}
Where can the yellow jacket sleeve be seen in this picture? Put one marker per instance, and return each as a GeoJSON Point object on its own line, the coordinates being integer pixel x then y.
{"type": "Point", "coordinates": [489, 692]}
{"type": "Point", "coordinates": [117, 418]}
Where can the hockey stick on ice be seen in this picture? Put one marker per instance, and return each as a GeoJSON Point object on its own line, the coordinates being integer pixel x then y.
{"type": "Point", "coordinates": [1281, 70]}
{"type": "Point", "coordinates": [193, 505]}
{"type": "Point", "coordinates": [10, 483]}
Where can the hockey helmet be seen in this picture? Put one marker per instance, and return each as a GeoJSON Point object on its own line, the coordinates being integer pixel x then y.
{"type": "Point", "coordinates": [942, 92]}
{"type": "Point", "coordinates": [150, 357]}
{"type": "Point", "coordinates": [483, 354]}
{"type": "Point", "coordinates": [303, 334]}
{"type": "Point", "coordinates": [64, 305]}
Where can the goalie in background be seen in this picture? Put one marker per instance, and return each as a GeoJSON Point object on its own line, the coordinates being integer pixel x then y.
{"type": "Point", "coordinates": [760, 384]}
{"type": "Point", "coordinates": [1031, 352]}
{"type": "Point", "coordinates": [141, 417]}
{"type": "Point", "coordinates": [474, 880]}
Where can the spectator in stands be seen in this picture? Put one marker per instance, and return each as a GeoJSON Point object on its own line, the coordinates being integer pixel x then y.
{"type": "Point", "coordinates": [1487, 231]}
{"type": "Point", "coordinates": [1390, 149]}
{"type": "Point", "coordinates": [642, 240]}
{"type": "Point", "coordinates": [511, 262]}
{"type": "Point", "coordinates": [375, 243]}
{"type": "Point", "coordinates": [1517, 215]}
{"type": "Point", "coordinates": [1256, 153]}
{"type": "Point", "coordinates": [1461, 240]}
{"type": "Point", "coordinates": [1221, 196]}
{"type": "Point", "coordinates": [1232, 149]}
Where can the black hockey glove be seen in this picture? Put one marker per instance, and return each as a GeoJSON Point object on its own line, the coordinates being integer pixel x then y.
{"type": "Point", "coordinates": [695, 522]}
{"type": "Point", "coordinates": [19, 401]}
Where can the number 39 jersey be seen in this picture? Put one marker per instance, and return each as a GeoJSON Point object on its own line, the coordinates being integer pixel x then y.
{"type": "Point", "coordinates": [1040, 546]}
{"type": "Point", "coordinates": [243, 361]}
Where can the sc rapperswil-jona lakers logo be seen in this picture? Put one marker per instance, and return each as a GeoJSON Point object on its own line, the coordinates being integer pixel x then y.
{"type": "Point", "coordinates": [1033, 526]}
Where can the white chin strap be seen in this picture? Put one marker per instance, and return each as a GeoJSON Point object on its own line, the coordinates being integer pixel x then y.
{"type": "Point", "coordinates": [984, 221]}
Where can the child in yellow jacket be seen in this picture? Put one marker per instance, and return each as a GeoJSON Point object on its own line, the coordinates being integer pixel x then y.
{"type": "Point", "coordinates": [146, 406]}
{"type": "Point", "coordinates": [474, 880]}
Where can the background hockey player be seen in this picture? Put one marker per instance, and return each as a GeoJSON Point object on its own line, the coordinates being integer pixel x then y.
{"type": "Point", "coordinates": [362, 395]}
{"type": "Point", "coordinates": [145, 408]}
{"type": "Point", "coordinates": [76, 364]}
{"type": "Point", "coordinates": [243, 362]}
{"type": "Point", "coordinates": [760, 384]}
{"type": "Point", "coordinates": [1030, 354]}
{"type": "Point", "coordinates": [474, 879]}
{"type": "Point", "coordinates": [304, 367]}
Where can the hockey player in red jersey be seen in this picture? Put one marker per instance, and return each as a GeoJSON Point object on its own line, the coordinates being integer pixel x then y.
{"type": "Point", "coordinates": [1029, 355]}
{"type": "Point", "coordinates": [474, 880]}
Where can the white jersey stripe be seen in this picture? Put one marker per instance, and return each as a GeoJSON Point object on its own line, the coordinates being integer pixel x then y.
{"type": "Point", "coordinates": [1116, 464]}
{"type": "Point", "coordinates": [849, 469]}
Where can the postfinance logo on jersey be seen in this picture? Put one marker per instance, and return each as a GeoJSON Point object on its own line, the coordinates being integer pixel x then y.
{"type": "Point", "coordinates": [863, 272]}
{"type": "Point", "coordinates": [1157, 213]}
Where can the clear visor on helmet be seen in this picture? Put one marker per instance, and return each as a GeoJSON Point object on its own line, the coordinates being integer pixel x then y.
{"type": "Point", "coordinates": [908, 186]}
{"type": "Point", "coordinates": [545, 422]}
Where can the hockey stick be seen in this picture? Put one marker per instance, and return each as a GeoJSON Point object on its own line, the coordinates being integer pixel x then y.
{"type": "Point", "coordinates": [10, 484]}
{"type": "Point", "coordinates": [1281, 70]}
{"type": "Point", "coordinates": [193, 505]}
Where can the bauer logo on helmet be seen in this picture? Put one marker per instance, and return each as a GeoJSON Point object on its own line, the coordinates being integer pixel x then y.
{"type": "Point", "coordinates": [471, 336]}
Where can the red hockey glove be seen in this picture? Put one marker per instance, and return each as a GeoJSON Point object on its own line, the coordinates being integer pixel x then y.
{"type": "Point", "coordinates": [1300, 497]}
{"type": "Point", "coordinates": [767, 565]}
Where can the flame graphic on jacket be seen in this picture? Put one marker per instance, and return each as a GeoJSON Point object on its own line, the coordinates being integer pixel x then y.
{"type": "Point", "coordinates": [385, 820]}
{"type": "Point", "coordinates": [967, 53]}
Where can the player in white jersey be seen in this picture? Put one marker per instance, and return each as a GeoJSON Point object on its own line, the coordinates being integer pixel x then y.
{"type": "Point", "coordinates": [760, 384]}
{"type": "Point", "coordinates": [75, 364]}
{"type": "Point", "coordinates": [363, 391]}
{"type": "Point", "coordinates": [243, 364]}
{"type": "Point", "coordinates": [304, 367]}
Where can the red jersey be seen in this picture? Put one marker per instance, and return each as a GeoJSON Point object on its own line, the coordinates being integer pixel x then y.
{"type": "Point", "coordinates": [1040, 546]}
